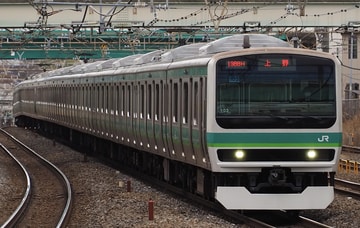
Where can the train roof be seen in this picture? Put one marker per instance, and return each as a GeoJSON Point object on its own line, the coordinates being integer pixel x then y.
{"type": "Point", "coordinates": [241, 41]}
{"type": "Point", "coordinates": [126, 61]}
{"type": "Point", "coordinates": [183, 52]}
{"type": "Point", "coordinates": [191, 51]}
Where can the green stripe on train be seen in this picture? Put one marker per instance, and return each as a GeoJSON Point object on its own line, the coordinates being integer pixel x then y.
{"type": "Point", "coordinates": [323, 139]}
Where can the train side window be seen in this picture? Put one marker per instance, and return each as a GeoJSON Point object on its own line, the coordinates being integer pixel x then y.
{"type": "Point", "coordinates": [175, 102]}
{"type": "Point", "coordinates": [157, 101]}
{"type": "Point", "coordinates": [92, 93]}
{"type": "Point", "coordinates": [117, 101]}
{"type": "Point", "coordinates": [111, 99]}
{"type": "Point", "coordinates": [106, 99]}
{"type": "Point", "coordinates": [128, 101]}
{"type": "Point", "coordinates": [86, 98]}
{"type": "Point", "coordinates": [69, 92]}
{"type": "Point", "coordinates": [86, 104]}
{"type": "Point", "coordinates": [196, 103]}
{"type": "Point", "coordinates": [90, 98]}
{"type": "Point", "coordinates": [142, 101]}
{"type": "Point", "coordinates": [81, 99]}
{"type": "Point", "coordinates": [95, 102]}
{"type": "Point", "coordinates": [122, 100]}
{"type": "Point", "coordinates": [74, 99]}
{"type": "Point", "coordinates": [97, 94]}
{"type": "Point", "coordinates": [149, 101]}
{"type": "Point", "coordinates": [135, 104]}
{"type": "Point", "coordinates": [185, 103]}
{"type": "Point", "coordinates": [167, 101]}
{"type": "Point", "coordinates": [69, 96]}
{"type": "Point", "coordinates": [94, 99]}
{"type": "Point", "coordinates": [102, 99]}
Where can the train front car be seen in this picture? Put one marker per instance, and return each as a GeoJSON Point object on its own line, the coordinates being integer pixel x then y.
{"type": "Point", "coordinates": [274, 127]}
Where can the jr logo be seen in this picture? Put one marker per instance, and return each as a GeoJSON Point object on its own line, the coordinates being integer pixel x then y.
{"type": "Point", "coordinates": [324, 138]}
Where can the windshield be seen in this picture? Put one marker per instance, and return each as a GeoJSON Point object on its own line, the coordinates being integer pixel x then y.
{"type": "Point", "coordinates": [275, 91]}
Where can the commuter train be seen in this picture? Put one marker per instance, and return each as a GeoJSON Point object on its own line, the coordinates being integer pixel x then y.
{"type": "Point", "coordinates": [246, 120]}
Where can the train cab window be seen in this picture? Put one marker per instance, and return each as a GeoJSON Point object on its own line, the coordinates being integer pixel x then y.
{"type": "Point", "coordinates": [275, 91]}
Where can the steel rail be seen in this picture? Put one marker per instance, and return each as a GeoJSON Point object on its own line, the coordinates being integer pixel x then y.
{"type": "Point", "coordinates": [66, 212]}
{"type": "Point", "coordinates": [14, 218]}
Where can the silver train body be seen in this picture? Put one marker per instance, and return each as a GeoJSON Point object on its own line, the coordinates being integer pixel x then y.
{"type": "Point", "coordinates": [258, 122]}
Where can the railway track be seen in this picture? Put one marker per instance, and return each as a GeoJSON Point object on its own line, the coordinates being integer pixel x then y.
{"type": "Point", "coordinates": [47, 199]}
{"type": "Point", "coordinates": [351, 149]}
{"type": "Point", "coordinates": [348, 188]}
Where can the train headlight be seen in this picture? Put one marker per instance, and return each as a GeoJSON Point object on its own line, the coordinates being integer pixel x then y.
{"type": "Point", "coordinates": [311, 154]}
{"type": "Point", "coordinates": [239, 154]}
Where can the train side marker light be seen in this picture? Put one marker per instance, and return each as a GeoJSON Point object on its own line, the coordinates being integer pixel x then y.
{"type": "Point", "coordinates": [239, 154]}
{"type": "Point", "coordinates": [311, 154]}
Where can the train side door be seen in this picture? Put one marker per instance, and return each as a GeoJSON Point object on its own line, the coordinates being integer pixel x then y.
{"type": "Point", "coordinates": [174, 120]}
{"type": "Point", "coordinates": [158, 119]}
{"type": "Point", "coordinates": [185, 119]}
{"type": "Point", "coordinates": [198, 132]}
{"type": "Point", "coordinates": [141, 128]}
{"type": "Point", "coordinates": [128, 113]}
{"type": "Point", "coordinates": [166, 125]}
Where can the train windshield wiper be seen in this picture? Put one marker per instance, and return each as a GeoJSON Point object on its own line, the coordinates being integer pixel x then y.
{"type": "Point", "coordinates": [312, 117]}
{"type": "Point", "coordinates": [279, 117]}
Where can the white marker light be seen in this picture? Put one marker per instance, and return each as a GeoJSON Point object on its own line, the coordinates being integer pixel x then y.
{"type": "Point", "coordinates": [239, 154]}
{"type": "Point", "coordinates": [311, 154]}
